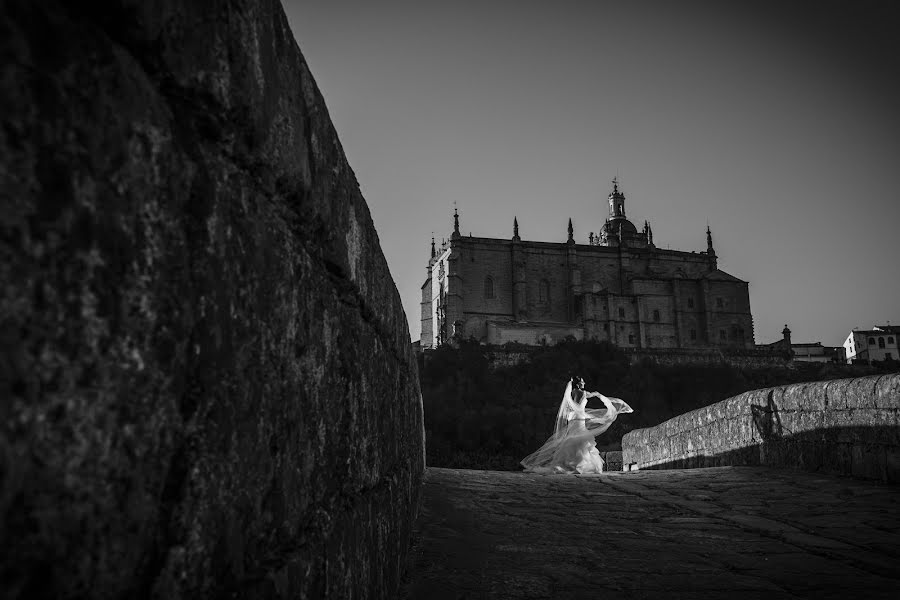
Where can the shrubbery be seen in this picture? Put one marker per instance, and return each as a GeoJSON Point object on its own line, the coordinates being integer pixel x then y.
{"type": "Point", "coordinates": [482, 418]}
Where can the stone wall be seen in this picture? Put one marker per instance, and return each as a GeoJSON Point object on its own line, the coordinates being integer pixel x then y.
{"type": "Point", "coordinates": [612, 460]}
{"type": "Point", "coordinates": [847, 426]}
{"type": "Point", "coordinates": [503, 357]}
{"type": "Point", "coordinates": [736, 357]}
{"type": "Point", "coordinates": [531, 334]}
{"type": "Point", "coordinates": [207, 381]}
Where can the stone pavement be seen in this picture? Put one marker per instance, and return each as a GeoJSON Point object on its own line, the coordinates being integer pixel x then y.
{"type": "Point", "coordinates": [725, 532]}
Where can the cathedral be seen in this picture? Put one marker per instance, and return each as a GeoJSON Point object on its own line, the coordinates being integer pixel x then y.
{"type": "Point", "coordinates": [618, 287]}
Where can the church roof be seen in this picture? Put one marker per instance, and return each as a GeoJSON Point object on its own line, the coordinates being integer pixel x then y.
{"type": "Point", "coordinates": [719, 275]}
{"type": "Point", "coordinates": [612, 226]}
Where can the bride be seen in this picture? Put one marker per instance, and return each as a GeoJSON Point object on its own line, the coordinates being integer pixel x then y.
{"type": "Point", "coordinates": [571, 448]}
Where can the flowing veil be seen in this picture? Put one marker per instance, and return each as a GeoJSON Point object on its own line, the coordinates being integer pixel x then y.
{"type": "Point", "coordinates": [565, 409]}
{"type": "Point", "coordinates": [574, 425]}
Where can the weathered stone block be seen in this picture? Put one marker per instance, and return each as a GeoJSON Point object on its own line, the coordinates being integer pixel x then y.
{"type": "Point", "coordinates": [755, 397]}
{"type": "Point", "coordinates": [792, 397]}
{"type": "Point", "coordinates": [887, 391]}
{"type": "Point", "coordinates": [775, 398]}
{"type": "Point", "coordinates": [817, 396]}
{"type": "Point", "coordinates": [836, 393]}
{"type": "Point", "coordinates": [809, 420]}
{"type": "Point", "coordinates": [836, 418]}
{"type": "Point", "coordinates": [747, 431]}
{"type": "Point", "coordinates": [738, 405]}
{"type": "Point", "coordinates": [211, 383]}
{"type": "Point", "coordinates": [612, 460]}
{"type": "Point", "coordinates": [860, 393]}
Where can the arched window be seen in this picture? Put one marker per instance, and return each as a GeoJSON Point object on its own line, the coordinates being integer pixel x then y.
{"type": "Point", "coordinates": [871, 341]}
{"type": "Point", "coordinates": [881, 342]}
{"type": "Point", "coordinates": [488, 287]}
{"type": "Point", "coordinates": [890, 340]}
{"type": "Point", "coordinates": [544, 291]}
{"type": "Point", "coordinates": [656, 315]}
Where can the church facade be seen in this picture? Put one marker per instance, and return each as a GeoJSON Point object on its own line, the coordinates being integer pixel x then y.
{"type": "Point", "coordinates": [618, 287]}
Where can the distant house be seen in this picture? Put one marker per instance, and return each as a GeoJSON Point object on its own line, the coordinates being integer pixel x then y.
{"type": "Point", "coordinates": [816, 352]}
{"type": "Point", "coordinates": [876, 344]}
{"type": "Point", "coordinates": [807, 351]}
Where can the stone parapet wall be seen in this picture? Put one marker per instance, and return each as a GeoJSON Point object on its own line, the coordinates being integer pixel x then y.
{"type": "Point", "coordinates": [612, 460]}
{"type": "Point", "coordinates": [735, 357]}
{"type": "Point", "coordinates": [501, 357]}
{"type": "Point", "coordinates": [207, 384]}
{"type": "Point", "coordinates": [499, 333]}
{"type": "Point", "coordinates": [847, 426]}
{"type": "Point", "coordinates": [503, 360]}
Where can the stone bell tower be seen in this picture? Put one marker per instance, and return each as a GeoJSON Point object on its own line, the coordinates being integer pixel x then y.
{"type": "Point", "coordinates": [618, 230]}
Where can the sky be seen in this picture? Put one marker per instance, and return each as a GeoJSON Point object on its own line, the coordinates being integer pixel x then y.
{"type": "Point", "coordinates": [778, 125]}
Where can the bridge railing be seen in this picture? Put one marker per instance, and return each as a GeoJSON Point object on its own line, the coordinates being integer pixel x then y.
{"type": "Point", "coordinates": [846, 426]}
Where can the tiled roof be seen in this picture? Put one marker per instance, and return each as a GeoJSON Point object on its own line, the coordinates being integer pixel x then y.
{"type": "Point", "coordinates": [719, 275]}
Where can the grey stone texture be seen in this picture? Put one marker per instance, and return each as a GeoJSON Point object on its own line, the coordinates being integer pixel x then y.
{"type": "Point", "coordinates": [207, 382]}
{"type": "Point", "coordinates": [500, 357]}
{"type": "Point", "coordinates": [698, 534]}
{"type": "Point", "coordinates": [846, 426]}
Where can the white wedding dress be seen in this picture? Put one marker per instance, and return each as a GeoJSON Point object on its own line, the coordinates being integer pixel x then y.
{"type": "Point", "coordinates": [571, 448]}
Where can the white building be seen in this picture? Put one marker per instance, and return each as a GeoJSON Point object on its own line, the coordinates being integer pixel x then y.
{"type": "Point", "coordinates": [816, 352]}
{"type": "Point", "coordinates": [876, 344]}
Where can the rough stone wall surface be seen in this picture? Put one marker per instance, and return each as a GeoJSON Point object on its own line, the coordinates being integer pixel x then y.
{"type": "Point", "coordinates": [479, 262]}
{"type": "Point", "coordinates": [207, 382]}
{"type": "Point", "coordinates": [547, 265]}
{"type": "Point", "coordinates": [733, 313]}
{"type": "Point", "coordinates": [848, 426]}
{"type": "Point", "coordinates": [736, 357]}
{"type": "Point", "coordinates": [501, 357]}
{"type": "Point", "coordinates": [533, 335]}
{"type": "Point", "coordinates": [612, 460]}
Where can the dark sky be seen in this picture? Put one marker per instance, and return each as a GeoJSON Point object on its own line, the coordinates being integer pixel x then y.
{"type": "Point", "coordinates": [779, 125]}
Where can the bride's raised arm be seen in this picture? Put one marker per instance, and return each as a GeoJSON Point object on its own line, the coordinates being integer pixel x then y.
{"type": "Point", "coordinates": [604, 399]}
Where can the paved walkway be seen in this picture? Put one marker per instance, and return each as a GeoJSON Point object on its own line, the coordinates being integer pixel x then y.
{"type": "Point", "coordinates": [727, 532]}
